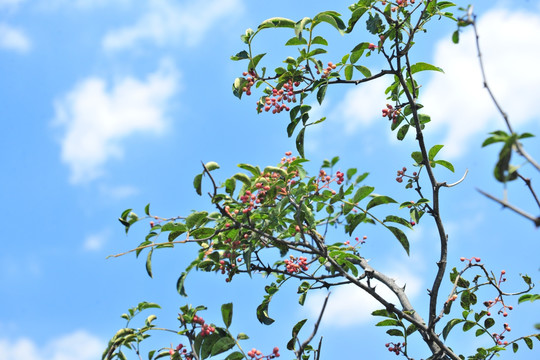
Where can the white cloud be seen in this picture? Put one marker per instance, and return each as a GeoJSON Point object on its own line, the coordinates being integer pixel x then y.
{"type": "Point", "coordinates": [457, 101]}
{"type": "Point", "coordinates": [79, 345]}
{"type": "Point", "coordinates": [96, 241]}
{"type": "Point", "coordinates": [13, 39]}
{"type": "Point", "coordinates": [167, 22]}
{"type": "Point", "coordinates": [350, 306]}
{"type": "Point", "coordinates": [96, 118]}
{"type": "Point", "coordinates": [118, 192]}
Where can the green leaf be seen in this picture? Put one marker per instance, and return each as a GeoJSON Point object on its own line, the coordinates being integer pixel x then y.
{"type": "Point", "coordinates": [434, 151]}
{"type": "Point", "coordinates": [321, 93]}
{"type": "Point", "coordinates": [362, 193]}
{"type": "Point", "coordinates": [300, 25]}
{"type": "Point", "coordinates": [394, 332]}
{"type": "Point", "coordinates": [262, 313]}
{"type": "Point", "coordinates": [212, 165]}
{"type": "Point", "coordinates": [332, 18]}
{"type": "Point", "coordinates": [255, 61]}
{"type": "Point", "coordinates": [446, 164]}
{"type": "Point", "coordinates": [422, 66]}
{"type": "Point", "coordinates": [227, 313]}
{"type": "Point", "coordinates": [243, 178]}
{"type": "Point", "coordinates": [374, 24]}
{"type": "Point", "coordinates": [449, 327]}
{"type": "Point", "coordinates": [468, 325]}
{"type": "Point", "coordinates": [515, 347]}
{"type": "Point", "coordinates": [455, 37]}
{"type": "Point", "coordinates": [202, 233]}
{"type": "Point", "coordinates": [242, 55]}
{"type": "Point", "coordinates": [275, 169]}
{"type": "Point", "coordinates": [489, 322]}
{"type": "Point", "coordinates": [385, 313]}
{"type": "Point", "coordinates": [318, 40]}
{"type": "Point", "coordinates": [196, 218]}
{"type": "Point", "coordinates": [300, 142]}
{"type": "Point", "coordinates": [242, 336]}
{"type": "Point", "coordinates": [197, 181]}
{"type": "Point", "coordinates": [379, 200]}
{"type": "Point", "coordinates": [147, 209]}
{"type": "Point", "coordinates": [277, 22]}
{"type": "Point", "coordinates": [417, 156]}
{"type": "Point", "coordinates": [529, 342]}
{"type": "Point", "coordinates": [364, 70]}
{"type": "Point", "coordinates": [528, 297]}
{"type": "Point", "coordinates": [222, 345]}
{"type": "Point", "coordinates": [402, 238]}
{"type": "Point", "coordinates": [149, 262]}
{"type": "Point", "coordinates": [252, 169]}
{"type": "Point", "coordinates": [349, 72]}
{"type": "Point", "coordinates": [296, 41]}
{"type": "Point", "coordinates": [402, 132]}
{"type": "Point", "coordinates": [388, 322]}
{"type": "Point", "coordinates": [180, 284]}
{"type": "Point", "coordinates": [356, 15]}
{"type": "Point", "coordinates": [237, 355]}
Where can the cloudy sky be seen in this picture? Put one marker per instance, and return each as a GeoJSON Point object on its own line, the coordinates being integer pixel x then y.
{"type": "Point", "coordinates": [113, 104]}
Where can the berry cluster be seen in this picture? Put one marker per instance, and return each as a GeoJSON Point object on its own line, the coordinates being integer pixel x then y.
{"type": "Point", "coordinates": [331, 66]}
{"type": "Point", "coordinates": [296, 264]}
{"type": "Point", "coordinates": [500, 337]}
{"type": "Point", "coordinates": [490, 303]}
{"type": "Point", "coordinates": [277, 101]}
{"type": "Point", "coordinates": [182, 351]}
{"type": "Point", "coordinates": [205, 328]}
{"type": "Point", "coordinates": [255, 354]}
{"type": "Point", "coordinates": [250, 81]}
{"type": "Point", "coordinates": [477, 259]}
{"type": "Point", "coordinates": [326, 179]}
{"type": "Point", "coordinates": [400, 3]}
{"type": "Point", "coordinates": [395, 348]}
{"type": "Point", "coordinates": [391, 113]}
{"type": "Point", "coordinates": [358, 241]}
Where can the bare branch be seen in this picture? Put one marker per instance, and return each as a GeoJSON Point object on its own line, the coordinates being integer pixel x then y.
{"type": "Point", "coordinates": [505, 204]}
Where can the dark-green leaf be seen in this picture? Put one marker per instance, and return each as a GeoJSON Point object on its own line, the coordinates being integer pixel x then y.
{"type": "Point", "coordinates": [379, 200]}
{"type": "Point", "coordinates": [227, 313]}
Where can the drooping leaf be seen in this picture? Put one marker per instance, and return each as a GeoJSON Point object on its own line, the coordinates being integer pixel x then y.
{"type": "Point", "coordinates": [446, 164]}
{"type": "Point", "coordinates": [422, 66]}
{"type": "Point", "coordinates": [212, 165]}
{"type": "Point", "coordinates": [300, 142]}
{"type": "Point", "coordinates": [149, 262]}
{"type": "Point", "coordinates": [401, 237]}
{"type": "Point", "coordinates": [197, 184]}
{"type": "Point", "coordinates": [227, 314]}
{"type": "Point", "coordinates": [380, 200]}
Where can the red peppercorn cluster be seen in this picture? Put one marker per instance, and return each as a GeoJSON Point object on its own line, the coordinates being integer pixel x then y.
{"type": "Point", "coordinates": [500, 337]}
{"type": "Point", "coordinates": [391, 113]}
{"type": "Point", "coordinates": [277, 101]}
{"type": "Point", "coordinates": [358, 241]}
{"type": "Point", "coordinates": [250, 81]}
{"type": "Point", "coordinates": [400, 3]}
{"type": "Point", "coordinates": [181, 350]}
{"type": "Point", "coordinates": [255, 354]}
{"type": "Point", "coordinates": [400, 174]}
{"type": "Point", "coordinates": [331, 66]}
{"type": "Point", "coordinates": [205, 328]}
{"type": "Point", "coordinates": [395, 348]}
{"type": "Point", "coordinates": [477, 259]}
{"type": "Point", "coordinates": [294, 265]}
{"type": "Point", "coordinates": [499, 299]}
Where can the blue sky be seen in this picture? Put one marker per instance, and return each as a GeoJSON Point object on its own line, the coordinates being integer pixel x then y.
{"type": "Point", "coordinates": [112, 104]}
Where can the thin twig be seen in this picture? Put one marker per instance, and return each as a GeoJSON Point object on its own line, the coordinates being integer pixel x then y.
{"type": "Point", "coordinates": [504, 203]}
{"type": "Point", "coordinates": [315, 328]}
